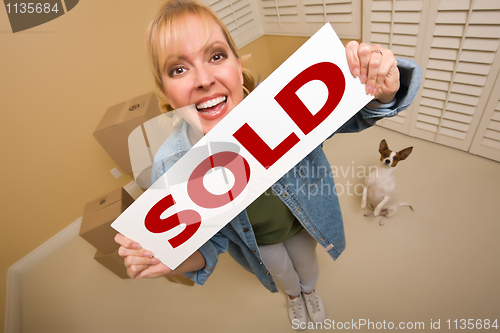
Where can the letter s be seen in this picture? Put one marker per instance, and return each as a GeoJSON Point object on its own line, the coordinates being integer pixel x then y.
{"type": "Point", "coordinates": [189, 217]}
{"type": "Point", "coordinates": [328, 73]}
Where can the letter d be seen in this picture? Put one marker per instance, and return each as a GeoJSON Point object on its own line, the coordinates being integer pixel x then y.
{"type": "Point", "coordinates": [328, 73]}
{"type": "Point", "coordinates": [436, 325]}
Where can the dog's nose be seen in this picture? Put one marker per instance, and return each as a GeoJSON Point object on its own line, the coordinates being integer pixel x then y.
{"type": "Point", "coordinates": [387, 161]}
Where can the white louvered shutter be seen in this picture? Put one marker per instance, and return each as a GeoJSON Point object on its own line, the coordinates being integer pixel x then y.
{"type": "Point", "coordinates": [459, 52]}
{"type": "Point", "coordinates": [281, 16]}
{"type": "Point", "coordinates": [487, 140]}
{"type": "Point", "coordinates": [241, 18]}
{"type": "Point", "coordinates": [400, 26]}
{"type": "Point", "coordinates": [344, 15]}
{"type": "Point", "coordinates": [305, 17]}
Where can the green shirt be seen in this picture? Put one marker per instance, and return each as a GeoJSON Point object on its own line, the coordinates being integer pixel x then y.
{"type": "Point", "coordinates": [271, 220]}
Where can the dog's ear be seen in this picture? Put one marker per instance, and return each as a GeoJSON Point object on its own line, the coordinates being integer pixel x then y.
{"type": "Point", "coordinates": [383, 146]}
{"type": "Point", "coordinates": [403, 154]}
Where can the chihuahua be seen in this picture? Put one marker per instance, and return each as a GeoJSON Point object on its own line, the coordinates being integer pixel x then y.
{"type": "Point", "coordinates": [380, 189]}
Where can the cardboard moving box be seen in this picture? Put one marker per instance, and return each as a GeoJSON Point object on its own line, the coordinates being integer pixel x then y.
{"type": "Point", "coordinates": [119, 121]}
{"type": "Point", "coordinates": [113, 262]}
{"type": "Point", "coordinates": [98, 216]}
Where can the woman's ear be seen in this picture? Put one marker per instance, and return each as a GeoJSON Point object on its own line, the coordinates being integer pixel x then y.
{"type": "Point", "coordinates": [167, 98]}
{"type": "Point", "coordinates": [240, 71]}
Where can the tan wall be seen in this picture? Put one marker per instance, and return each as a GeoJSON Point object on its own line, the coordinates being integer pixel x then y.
{"type": "Point", "coordinates": [57, 79]}
{"type": "Point", "coordinates": [268, 52]}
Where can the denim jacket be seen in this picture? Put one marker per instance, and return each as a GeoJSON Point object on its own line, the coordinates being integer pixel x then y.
{"type": "Point", "coordinates": [307, 189]}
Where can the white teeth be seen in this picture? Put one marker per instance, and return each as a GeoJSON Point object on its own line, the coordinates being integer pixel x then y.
{"type": "Point", "coordinates": [210, 103]}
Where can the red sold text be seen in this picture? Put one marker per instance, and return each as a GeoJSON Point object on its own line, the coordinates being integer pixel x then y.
{"type": "Point", "coordinates": [326, 72]}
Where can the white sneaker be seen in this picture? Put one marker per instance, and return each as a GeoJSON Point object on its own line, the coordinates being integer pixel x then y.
{"type": "Point", "coordinates": [297, 313]}
{"type": "Point", "coordinates": [315, 307]}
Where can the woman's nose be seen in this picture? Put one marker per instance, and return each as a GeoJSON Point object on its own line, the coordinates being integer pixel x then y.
{"type": "Point", "coordinates": [204, 77]}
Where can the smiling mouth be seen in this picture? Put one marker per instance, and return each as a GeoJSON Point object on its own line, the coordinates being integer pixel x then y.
{"type": "Point", "coordinates": [211, 106]}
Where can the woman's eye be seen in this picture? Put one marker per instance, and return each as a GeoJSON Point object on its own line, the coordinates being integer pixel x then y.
{"type": "Point", "coordinates": [218, 56]}
{"type": "Point", "coordinates": [177, 71]}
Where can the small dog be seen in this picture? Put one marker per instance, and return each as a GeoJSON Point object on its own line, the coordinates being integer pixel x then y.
{"type": "Point", "coordinates": [380, 189]}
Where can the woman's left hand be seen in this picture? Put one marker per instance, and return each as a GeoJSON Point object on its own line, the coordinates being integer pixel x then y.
{"type": "Point", "coordinates": [377, 67]}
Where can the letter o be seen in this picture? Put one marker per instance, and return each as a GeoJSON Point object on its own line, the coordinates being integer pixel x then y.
{"type": "Point", "coordinates": [232, 161]}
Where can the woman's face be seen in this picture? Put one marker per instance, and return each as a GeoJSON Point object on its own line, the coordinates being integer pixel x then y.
{"type": "Point", "coordinates": [203, 72]}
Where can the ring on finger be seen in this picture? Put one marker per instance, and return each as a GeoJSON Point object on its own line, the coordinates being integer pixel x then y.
{"type": "Point", "coordinates": [378, 51]}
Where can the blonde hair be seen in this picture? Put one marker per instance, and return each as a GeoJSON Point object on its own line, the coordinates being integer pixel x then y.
{"type": "Point", "coordinates": [163, 31]}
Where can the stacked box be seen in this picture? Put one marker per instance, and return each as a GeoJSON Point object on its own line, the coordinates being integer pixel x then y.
{"type": "Point", "coordinates": [96, 228]}
{"type": "Point", "coordinates": [113, 262]}
{"type": "Point", "coordinates": [98, 216]}
{"type": "Point", "coordinates": [119, 121]}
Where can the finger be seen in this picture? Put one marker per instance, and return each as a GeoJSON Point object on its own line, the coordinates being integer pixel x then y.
{"type": "Point", "coordinates": [364, 53]}
{"type": "Point", "coordinates": [140, 261]}
{"type": "Point", "coordinates": [134, 271]}
{"type": "Point", "coordinates": [127, 242]}
{"type": "Point", "coordinates": [374, 74]}
{"type": "Point", "coordinates": [125, 252]}
{"type": "Point", "coordinates": [351, 50]}
{"type": "Point", "coordinates": [384, 76]}
{"type": "Point", "coordinates": [154, 271]}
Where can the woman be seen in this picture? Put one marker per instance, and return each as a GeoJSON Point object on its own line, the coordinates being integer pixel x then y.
{"type": "Point", "coordinates": [196, 62]}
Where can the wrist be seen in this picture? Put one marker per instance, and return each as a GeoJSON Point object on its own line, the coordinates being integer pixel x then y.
{"type": "Point", "coordinates": [385, 99]}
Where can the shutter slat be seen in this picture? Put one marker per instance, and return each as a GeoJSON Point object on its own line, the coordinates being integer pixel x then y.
{"type": "Point", "coordinates": [452, 17]}
{"type": "Point", "coordinates": [491, 143]}
{"type": "Point", "coordinates": [481, 44]}
{"type": "Point", "coordinates": [493, 135]}
{"type": "Point", "coordinates": [477, 56]}
{"type": "Point", "coordinates": [438, 75]}
{"type": "Point", "coordinates": [467, 67]}
{"type": "Point", "coordinates": [460, 117]}
{"type": "Point", "coordinates": [433, 103]}
{"type": "Point", "coordinates": [496, 116]}
{"type": "Point", "coordinates": [428, 119]}
{"type": "Point", "coordinates": [466, 89]}
{"type": "Point", "coordinates": [494, 125]}
{"type": "Point", "coordinates": [406, 28]}
{"type": "Point", "coordinates": [463, 99]}
{"type": "Point", "coordinates": [487, 4]}
{"type": "Point", "coordinates": [414, 6]}
{"type": "Point", "coordinates": [430, 111]}
{"type": "Point", "coordinates": [438, 85]}
{"type": "Point", "coordinates": [441, 64]}
{"type": "Point", "coordinates": [461, 108]}
{"type": "Point", "coordinates": [427, 127]}
{"type": "Point", "coordinates": [407, 17]}
{"type": "Point", "coordinates": [447, 54]}
{"type": "Point", "coordinates": [436, 94]}
{"type": "Point", "coordinates": [454, 5]}
{"type": "Point", "coordinates": [485, 17]}
{"type": "Point", "coordinates": [490, 31]}
{"type": "Point", "coordinates": [449, 30]}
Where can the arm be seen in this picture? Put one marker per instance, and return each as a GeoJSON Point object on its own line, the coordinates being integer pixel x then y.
{"type": "Point", "coordinates": [141, 263]}
{"type": "Point", "coordinates": [409, 77]}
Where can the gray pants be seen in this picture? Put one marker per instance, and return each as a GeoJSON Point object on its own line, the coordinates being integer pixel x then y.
{"type": "Point", "coordinates": [293, 263]}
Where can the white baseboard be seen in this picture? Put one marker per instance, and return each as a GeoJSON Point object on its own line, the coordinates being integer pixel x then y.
{"type": "Point", "coordinates": [14, 287]}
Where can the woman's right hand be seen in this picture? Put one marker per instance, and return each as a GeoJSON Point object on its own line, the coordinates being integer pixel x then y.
{"type": "Point", "coordinates": [140, 262]}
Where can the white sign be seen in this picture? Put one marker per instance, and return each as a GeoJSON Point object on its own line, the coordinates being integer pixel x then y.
{"type": "Point", "coordinates": [296, 108]}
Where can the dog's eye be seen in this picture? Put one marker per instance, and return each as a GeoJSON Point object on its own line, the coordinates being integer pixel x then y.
{"type": "Point", "coordinates": [395, 158]}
